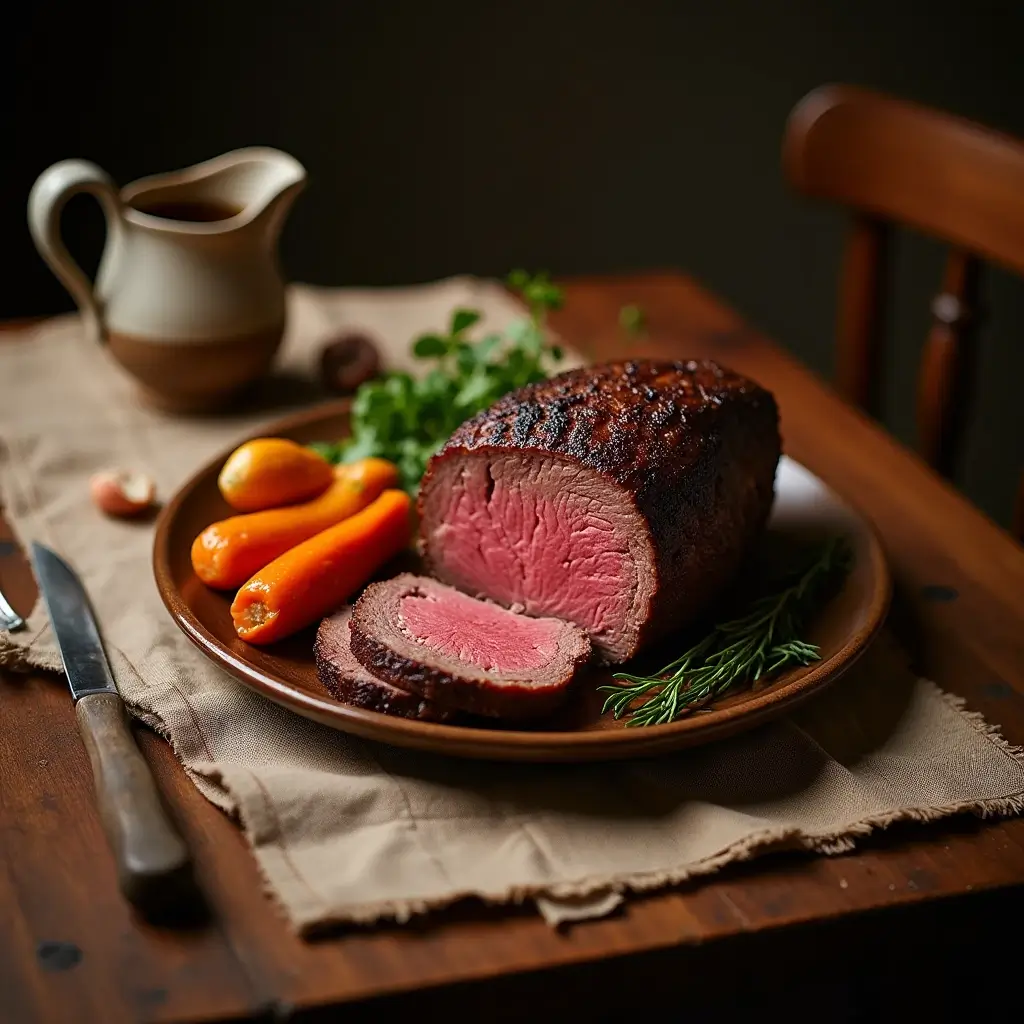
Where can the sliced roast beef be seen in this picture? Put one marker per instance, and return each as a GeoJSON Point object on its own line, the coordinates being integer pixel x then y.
{"type": "Point", "coordinates": [621, 498]}
{"type": "Point", "coordinates": [463, 653]}
{"type": "Point", "coordinates": [347, 680]}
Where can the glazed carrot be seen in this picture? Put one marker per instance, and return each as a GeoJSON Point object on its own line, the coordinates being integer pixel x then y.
{"type": "Point", "coordinates": [312, 579]}
{"type": "Point", "coordinates": [272, 471]}
{"type": "Point", "coordinates": [227, 553]}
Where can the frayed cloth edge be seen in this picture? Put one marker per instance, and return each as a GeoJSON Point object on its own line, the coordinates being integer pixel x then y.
{"type": "Point", "coordinates": [829, 844]}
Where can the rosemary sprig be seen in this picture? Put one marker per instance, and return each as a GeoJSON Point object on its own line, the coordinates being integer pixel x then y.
{"type": "Point", "coordinates": [760, 642]}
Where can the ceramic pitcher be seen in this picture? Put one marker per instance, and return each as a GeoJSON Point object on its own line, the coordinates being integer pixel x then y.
{"type": "Point", "coordinates": [189, 295]}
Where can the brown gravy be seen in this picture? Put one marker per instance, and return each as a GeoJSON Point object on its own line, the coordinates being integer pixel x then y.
{"type": "Point", "coordinates": [197, 211]}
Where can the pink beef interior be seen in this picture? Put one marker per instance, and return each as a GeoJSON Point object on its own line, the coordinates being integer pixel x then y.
{"type": "Point", "coordinates": [546, 536]}
{"type": "Point", "coordinates": [477, 633]}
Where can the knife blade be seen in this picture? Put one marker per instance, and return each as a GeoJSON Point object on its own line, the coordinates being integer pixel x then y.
{"type": "Point", "coordinates": [153, 864]}
{"type": "Point", "coordinates": [78, 639]}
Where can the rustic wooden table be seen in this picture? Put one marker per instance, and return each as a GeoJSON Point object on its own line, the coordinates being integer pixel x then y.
{"type": "Point", "coordinates": [916, 915]}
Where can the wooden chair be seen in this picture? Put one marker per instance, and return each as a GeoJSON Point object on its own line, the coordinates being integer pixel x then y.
{"type": "Point", "coordinates": [893, 161]}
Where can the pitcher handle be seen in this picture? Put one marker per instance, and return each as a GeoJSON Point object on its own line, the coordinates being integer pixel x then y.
{"type": "Point", "coordinates": [53, 188]}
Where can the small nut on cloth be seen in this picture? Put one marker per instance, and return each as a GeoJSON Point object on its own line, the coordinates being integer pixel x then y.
{"type": "Point", "coordinates": [347, 362]}
{"type": "Point", "coordinates": [122, 493]}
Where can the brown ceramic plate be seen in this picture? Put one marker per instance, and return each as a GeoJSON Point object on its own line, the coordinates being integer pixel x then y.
{"type": "Point", "coordinates": [805, 509]}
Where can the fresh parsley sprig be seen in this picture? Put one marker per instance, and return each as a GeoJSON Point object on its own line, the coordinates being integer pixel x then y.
{"type": "Point", "coordinates": [763, 640]}
{"type": "Point", "coordinates": [406, 418]}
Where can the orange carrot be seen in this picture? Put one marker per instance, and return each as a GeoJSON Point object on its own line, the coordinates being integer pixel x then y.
{"type": "Point", "coordinates": [227, 553]}
{"type": "Point", "coordinates": [312, 579]}
{"type": "Point", "coordinates": [273, 471]}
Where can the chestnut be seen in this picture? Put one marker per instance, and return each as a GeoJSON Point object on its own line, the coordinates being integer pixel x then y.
{"type": "Point", "coordinates": [347, 362]}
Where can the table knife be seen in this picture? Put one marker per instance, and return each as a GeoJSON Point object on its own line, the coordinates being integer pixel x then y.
{"type": "Point", "coordinates": [153, 863]}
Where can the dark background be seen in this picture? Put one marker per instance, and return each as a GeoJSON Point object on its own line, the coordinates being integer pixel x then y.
{"type": "Point", "coordinates": [576, 136]}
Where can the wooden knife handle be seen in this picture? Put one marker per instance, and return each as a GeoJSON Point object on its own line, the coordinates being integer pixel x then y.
{"type": "Point", "coordinates": [153, 864]}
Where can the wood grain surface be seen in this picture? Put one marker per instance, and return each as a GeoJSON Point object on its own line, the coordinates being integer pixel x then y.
{"type": "Point", "coordinates": [906, 914]}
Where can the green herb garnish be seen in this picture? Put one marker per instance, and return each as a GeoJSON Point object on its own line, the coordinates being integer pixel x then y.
{"type": "Point", "coordinates": [633, 320]}
{"type": "Point", "coordinates": [762, 641]}
{"type": "Point", "coordinates": [406, 419]}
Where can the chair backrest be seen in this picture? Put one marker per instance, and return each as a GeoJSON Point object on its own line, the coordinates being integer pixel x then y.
{"type": "Point", "coordinates": [893, 161]}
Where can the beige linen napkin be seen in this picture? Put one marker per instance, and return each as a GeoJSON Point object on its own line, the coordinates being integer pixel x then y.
{"type": "Point", "coordinates": [346, 830]}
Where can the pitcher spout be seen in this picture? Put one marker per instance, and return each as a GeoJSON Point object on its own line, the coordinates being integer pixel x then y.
{"type": "Point", "coordinates": [270, 181]}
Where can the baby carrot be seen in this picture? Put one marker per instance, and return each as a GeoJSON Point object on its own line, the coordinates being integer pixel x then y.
{"type": "Point", "coordinates": [227, 553]}
{"type": "Point", "coordinates": [312, 579]}
{"type": "Point", "coordinates": [272, 471]}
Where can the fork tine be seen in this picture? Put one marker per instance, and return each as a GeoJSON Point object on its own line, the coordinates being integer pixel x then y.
{"type": "Point", "coordinates": [9, 618]}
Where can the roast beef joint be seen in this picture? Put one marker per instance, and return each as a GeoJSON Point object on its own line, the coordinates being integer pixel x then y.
{"type": "Point", "coordinates": [601, 509]}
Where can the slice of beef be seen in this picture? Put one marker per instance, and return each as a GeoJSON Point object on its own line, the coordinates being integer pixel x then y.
{"type": "Point", "coordinates": [620, 497]}
{"type": "Point", "coordinates": [463, 653]}
{"type": "Point", "coordinates": [347, 680]}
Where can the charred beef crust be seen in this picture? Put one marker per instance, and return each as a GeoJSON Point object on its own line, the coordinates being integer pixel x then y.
{"type": "Point", "coordinates": [360, 692]}
{"type": "Point", "coordinates": [471, 691]}
{"type": "Point", "coordinates": [695, 446]}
